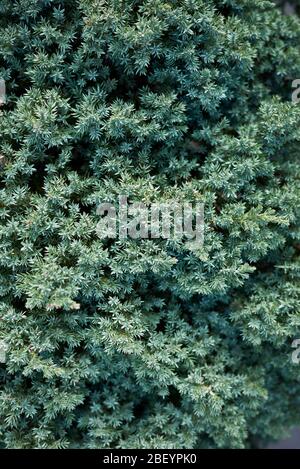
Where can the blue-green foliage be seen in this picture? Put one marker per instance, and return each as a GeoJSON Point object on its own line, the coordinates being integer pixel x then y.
{"type": "Point", "coordinates": [148, 343]}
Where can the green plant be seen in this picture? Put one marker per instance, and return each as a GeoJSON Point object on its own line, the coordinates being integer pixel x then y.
{"type": "Point", "coordinates": [148, 343]}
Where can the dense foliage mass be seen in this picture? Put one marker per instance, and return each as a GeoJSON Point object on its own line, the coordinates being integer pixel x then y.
{"type": "Point", "coordinates": [148, 343]}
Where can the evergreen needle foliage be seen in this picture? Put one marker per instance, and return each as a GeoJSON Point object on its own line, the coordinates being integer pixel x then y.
{"type": "Point", "coordinates": [148, 343]}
